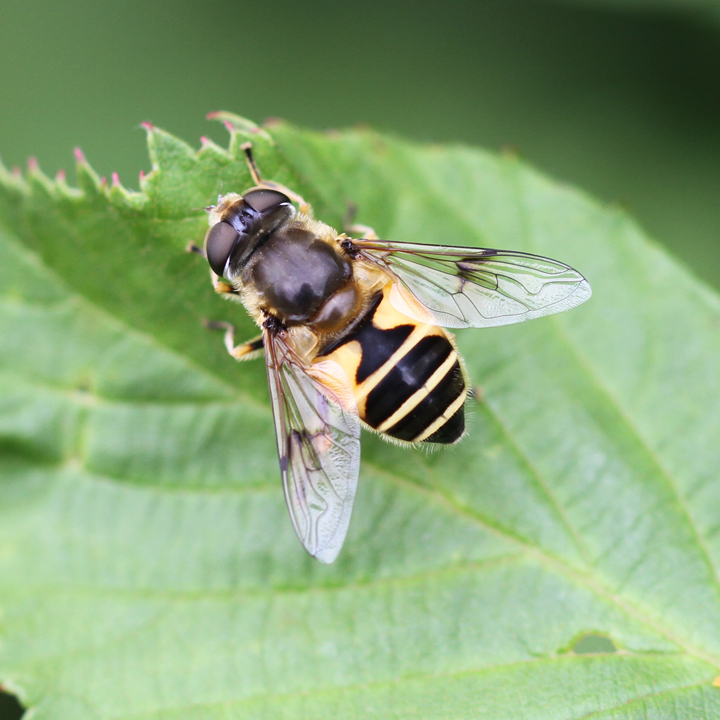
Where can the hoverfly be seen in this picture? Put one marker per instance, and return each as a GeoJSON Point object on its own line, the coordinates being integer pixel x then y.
{"type": "Point", "coordinates": [352, 334]}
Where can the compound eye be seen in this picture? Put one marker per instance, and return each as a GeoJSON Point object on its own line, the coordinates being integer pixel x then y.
{"type": "Point", "coordinates": [262, 200]}
{"type": "Point", "coordinates": [220, 240]}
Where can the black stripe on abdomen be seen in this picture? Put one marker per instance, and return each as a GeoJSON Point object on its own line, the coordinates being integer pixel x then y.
{"type": "Point", "coordinates": [378, 344]}
{"type": "Point", "coordinates": [408, 376]}
{"type": "Point", "coordinates": [438, 400]}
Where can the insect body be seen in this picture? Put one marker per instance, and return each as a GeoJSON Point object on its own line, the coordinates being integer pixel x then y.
{"type": "Point", "coordinates": [352, 333]}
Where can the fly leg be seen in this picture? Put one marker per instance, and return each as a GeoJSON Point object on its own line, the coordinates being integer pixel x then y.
{"type": "Point", "coordinates": [244, 351]}
{"type": "Point", "coordinates": [192, 247]}
{"type": "Point", "coordinates": [303, 205]}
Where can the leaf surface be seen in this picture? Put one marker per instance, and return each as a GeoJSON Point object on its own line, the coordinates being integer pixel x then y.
{"type": "Point", "coordinates": [148, 569]}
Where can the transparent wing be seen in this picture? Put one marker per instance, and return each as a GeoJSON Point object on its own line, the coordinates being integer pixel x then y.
{"type": "Point", "coordinates": [318, 445]}
{"type": "Point", "coordinates": [467, 287]}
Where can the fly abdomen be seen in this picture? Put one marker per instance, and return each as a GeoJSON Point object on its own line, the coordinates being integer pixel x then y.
{"type": "Point", "coordinates": [421, 398]}
{"type": "Point", "coordinates": [407, 377]}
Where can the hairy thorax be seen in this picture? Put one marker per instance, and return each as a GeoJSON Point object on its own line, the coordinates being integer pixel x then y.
{"type": "Point", "coordinates": [301, 278]}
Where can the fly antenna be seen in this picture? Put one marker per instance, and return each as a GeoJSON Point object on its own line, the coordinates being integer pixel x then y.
{"type": "Point", "coordinates": [247, 149]}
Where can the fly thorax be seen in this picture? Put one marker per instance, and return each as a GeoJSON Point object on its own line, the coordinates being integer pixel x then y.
{"type": "Point", "coordinates": [294, 274]}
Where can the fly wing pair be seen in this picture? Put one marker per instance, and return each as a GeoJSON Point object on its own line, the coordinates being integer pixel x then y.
{"type": "Point", "coordinates": [318, 443]}
{"type": "Point", "coordinates": [318, 433]}
{"type": "Point", "coordinates": [458, 287]}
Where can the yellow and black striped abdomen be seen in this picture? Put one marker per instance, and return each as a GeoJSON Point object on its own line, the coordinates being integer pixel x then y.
{"type": "Point", "coordinates": [407, 376]}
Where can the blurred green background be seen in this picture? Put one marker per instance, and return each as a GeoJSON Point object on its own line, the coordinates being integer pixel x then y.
{"type": "Point", "coordinates": [619, 97]}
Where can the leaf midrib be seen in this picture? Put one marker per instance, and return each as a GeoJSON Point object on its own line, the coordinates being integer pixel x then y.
{"type": "Point", "coordinates": [233, 594]}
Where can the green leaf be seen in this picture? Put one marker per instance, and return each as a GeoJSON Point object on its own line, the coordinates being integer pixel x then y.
{"type": "Point", "coordinates": [561, 562]}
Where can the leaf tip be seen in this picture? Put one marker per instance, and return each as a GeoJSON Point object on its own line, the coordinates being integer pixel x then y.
{"type": "Point", "coordinates": [11, 178]}
{"type": "Point", "coordinates": [37, 178]}
{"type": "Point", "coordinates": [87, 179]}
{"type": "Point", "coordinates": [122, 196]}
{"type": "Point", "coordinates": [237, 125]}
